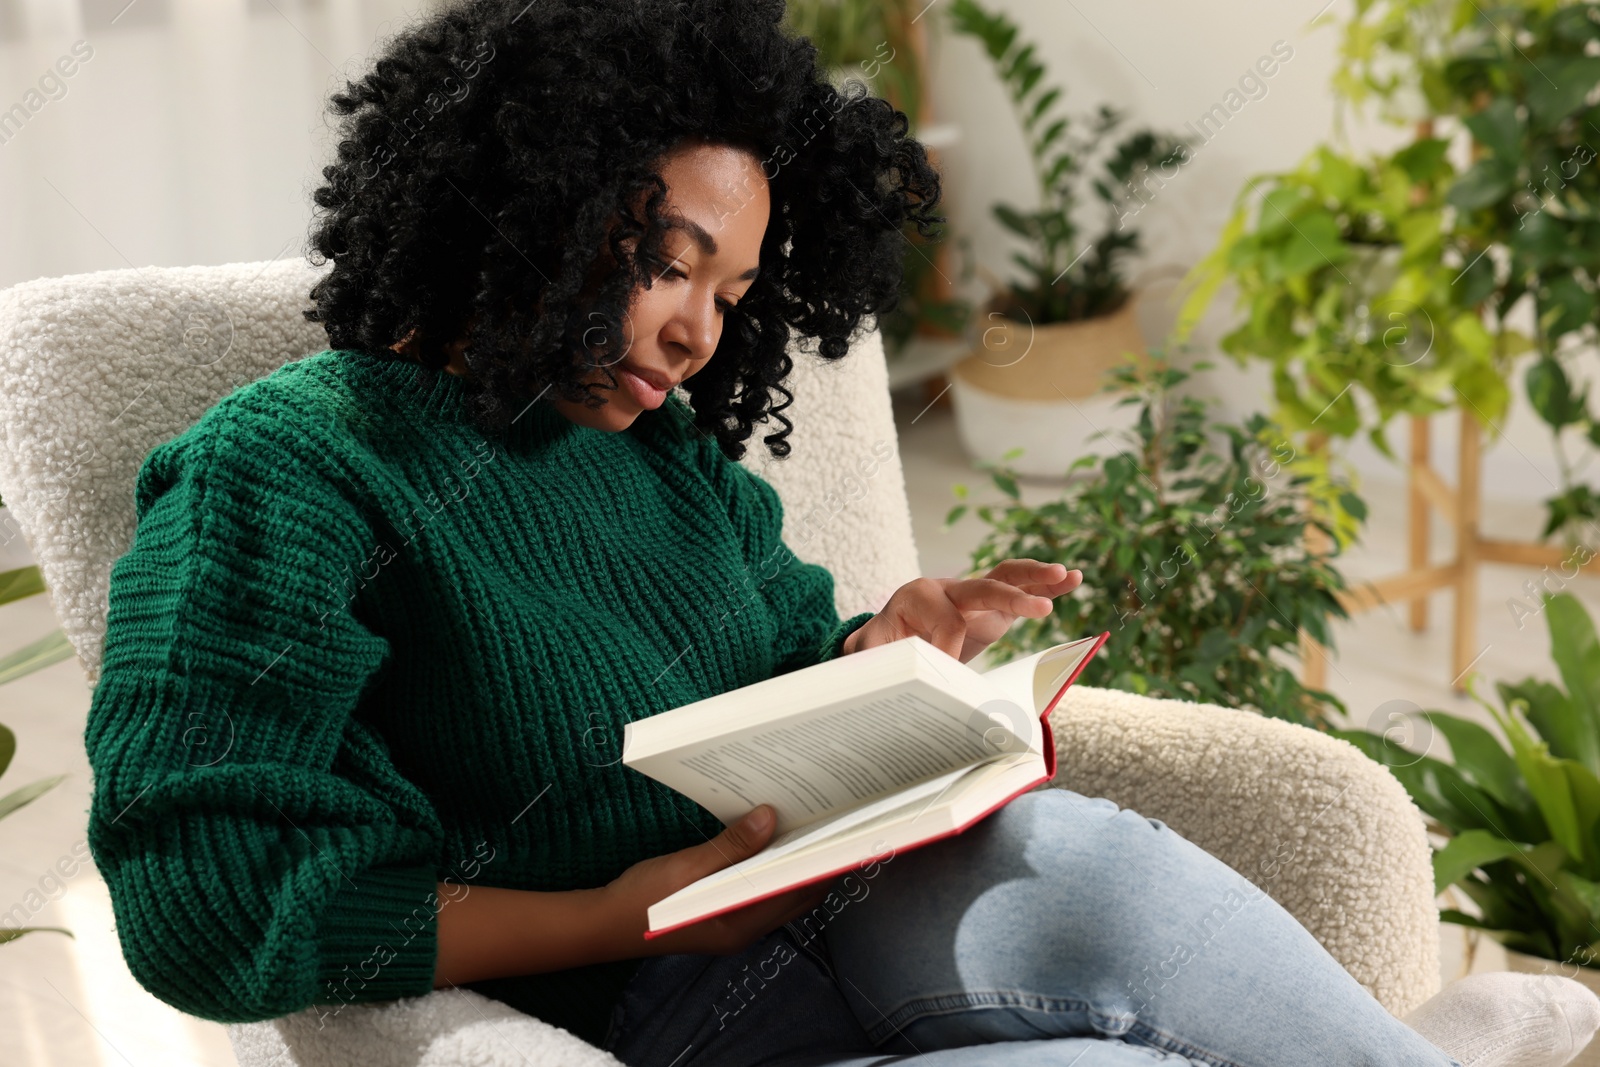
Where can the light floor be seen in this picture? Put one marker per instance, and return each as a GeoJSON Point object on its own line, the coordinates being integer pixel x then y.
{"type": "Point", "coordinates": [72, 1003]}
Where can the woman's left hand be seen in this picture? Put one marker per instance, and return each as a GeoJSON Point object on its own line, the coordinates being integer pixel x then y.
{"type": "Point", "coordinates": [964, 616]}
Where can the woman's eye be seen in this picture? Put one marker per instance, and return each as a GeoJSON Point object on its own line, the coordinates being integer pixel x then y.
{"type": "Point", "coordinates": [668, 268]}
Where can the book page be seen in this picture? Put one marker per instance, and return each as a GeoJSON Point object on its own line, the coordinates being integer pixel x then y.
{"type": "Point", "coordinates": [811, 747]}
{"type": "Point", "coordinates": [1031, 681]}
{"type": "Point", "coordinates": [811, 768]}
{"type": "Point", "coordinates": [876, 830]}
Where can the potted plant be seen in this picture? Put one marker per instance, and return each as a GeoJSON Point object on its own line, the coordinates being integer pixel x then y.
{"type": "Point", "coordinates": [1192, 543]}
{"type": "Point", "coordinates": [1518, 821]}
{"type": "Point", "coordinates": [1051, 336]}
{"type": "Point", "coordinates": [1343, 270]}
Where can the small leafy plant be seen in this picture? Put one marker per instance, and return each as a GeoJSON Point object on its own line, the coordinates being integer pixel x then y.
{"type": "Point", "coordinates": [1192, 544]}
{"type": "Point", "coordinates": [1067, 280]}
{"type": "Point", "coordinates": [1522, 824]}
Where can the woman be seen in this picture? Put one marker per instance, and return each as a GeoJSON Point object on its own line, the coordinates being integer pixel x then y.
{"type": "Point", "coordinates": [388, 609]}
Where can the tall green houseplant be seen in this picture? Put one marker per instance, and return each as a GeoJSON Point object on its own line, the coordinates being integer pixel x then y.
{"type": "Point", "coordinates": [1064, 278]}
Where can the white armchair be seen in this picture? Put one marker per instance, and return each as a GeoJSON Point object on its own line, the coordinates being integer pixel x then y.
{"type": "Point", "coordinates": [97, 369]}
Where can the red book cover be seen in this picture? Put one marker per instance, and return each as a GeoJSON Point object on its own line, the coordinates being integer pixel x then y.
{"type": "Point", "coordinates": [1049, 754]}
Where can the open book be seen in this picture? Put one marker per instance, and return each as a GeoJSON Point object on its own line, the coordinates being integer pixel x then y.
{"type": "Point", "coordinates": [860, 756]}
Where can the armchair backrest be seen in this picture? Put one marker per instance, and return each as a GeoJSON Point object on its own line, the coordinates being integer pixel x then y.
{"type": "Point", "coordinates": [97, 369]}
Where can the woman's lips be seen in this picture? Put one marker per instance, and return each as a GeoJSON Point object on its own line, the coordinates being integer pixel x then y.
{"type": "Point", "coordinates": [646, 393]}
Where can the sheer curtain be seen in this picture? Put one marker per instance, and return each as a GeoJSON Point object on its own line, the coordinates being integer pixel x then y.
{"type": "Point", "coordinates": [169, 132]}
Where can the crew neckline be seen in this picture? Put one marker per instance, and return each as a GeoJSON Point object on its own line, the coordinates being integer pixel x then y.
{"type": "Point", "coordinates": [440, 395]}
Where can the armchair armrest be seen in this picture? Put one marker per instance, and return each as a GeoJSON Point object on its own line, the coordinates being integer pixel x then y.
{"type": "Point", "coordinates": [1328, 833]}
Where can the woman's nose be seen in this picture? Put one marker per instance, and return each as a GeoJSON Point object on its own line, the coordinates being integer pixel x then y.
{"type": "Point", "coordinates": [696, 328]}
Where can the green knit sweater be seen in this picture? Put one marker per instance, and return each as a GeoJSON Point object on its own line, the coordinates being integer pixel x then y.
{"type": "Point", "coordinates": [357, 649]}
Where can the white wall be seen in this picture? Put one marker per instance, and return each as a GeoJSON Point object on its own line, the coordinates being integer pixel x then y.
{"type": "Point", "coordinates": [194, 132]}
{"type": "Point", "coordinates": [191, 134]}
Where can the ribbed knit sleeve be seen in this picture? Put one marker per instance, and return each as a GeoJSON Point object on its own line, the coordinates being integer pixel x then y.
{"type": "Point", "coordinates": [262, 853]}
{"type": "Point", "coordinates": [799, 594]}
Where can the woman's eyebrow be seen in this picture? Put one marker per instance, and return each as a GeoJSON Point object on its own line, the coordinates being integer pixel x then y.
{"type": "Point", "coordinates": [708, 244]}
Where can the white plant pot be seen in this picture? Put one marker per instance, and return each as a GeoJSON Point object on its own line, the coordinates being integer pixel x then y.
{"type": "Point", "coordinates": [1039, 388]}
{"type": "Point", "coordinates": [1051, 436]}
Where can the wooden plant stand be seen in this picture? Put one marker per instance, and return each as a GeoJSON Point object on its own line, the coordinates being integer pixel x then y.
{"type": "Point", "coordinates": [1459, 506]}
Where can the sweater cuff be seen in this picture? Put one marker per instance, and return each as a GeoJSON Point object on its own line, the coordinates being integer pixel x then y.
{"type": "Point", "coordinates": [378, 940]}
{"type": "Point", "coordinates": [833, 646]}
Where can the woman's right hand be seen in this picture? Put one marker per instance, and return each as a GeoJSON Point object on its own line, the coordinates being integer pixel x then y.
{"type": "Point", "coordinates": [630, 895]}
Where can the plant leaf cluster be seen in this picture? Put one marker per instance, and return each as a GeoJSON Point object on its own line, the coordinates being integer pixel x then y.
{"type": "Point", "coordinates": [1521, 817]}
{"type": "Point", "coordinates": [1192, 543]}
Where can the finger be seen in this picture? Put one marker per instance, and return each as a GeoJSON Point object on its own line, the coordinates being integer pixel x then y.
{"type": "Point", "coordinates": [740, 841]}
{"type": "Point", "coordinates": [990, 594]}
{"type": "Point", "coordinates": [1035, 576]}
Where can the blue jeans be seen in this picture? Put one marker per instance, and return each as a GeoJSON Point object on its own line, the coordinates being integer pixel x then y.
{"type": "Point", "coordinates": [1061, 931]}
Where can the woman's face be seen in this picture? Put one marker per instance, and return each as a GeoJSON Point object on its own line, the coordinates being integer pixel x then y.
{"type": "Point", "coordinates": [717, 204]}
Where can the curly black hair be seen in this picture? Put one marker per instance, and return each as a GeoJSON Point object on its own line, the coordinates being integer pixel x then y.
{"type": "Point", "coordinates": [496, 148]}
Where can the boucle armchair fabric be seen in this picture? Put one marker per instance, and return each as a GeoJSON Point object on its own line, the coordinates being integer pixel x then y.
{"type": "Point", "coordinates": [97, 369]}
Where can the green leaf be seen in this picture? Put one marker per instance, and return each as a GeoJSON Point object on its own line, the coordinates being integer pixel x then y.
{"type": "Point", "coordinates": [1569, 734]}
{"type": "Point", "coordinates": [1461, 918]}
{"type": "Point", "coordinates": [27, 794]}
{"type": "Point", "coordinates": [52, 648]}
{"type": "Point", "coordinates": [1049, 136]}
{"type": "Point", "coordinates": [1477, 281]}
{"type": "Point", "coordinates": [1465, 853]}
{"type": "Point", "coordinates": [8, 747]}
{"type": "Point", "coordinates": [1557, 86]}
{"type": "Point", "coordinates": [1585, 788]}
{"type": "Point", "coordinates": [1547, 781]}
{"type": "Point", "coordinates": [22, 582]}
{"type": "Point", "coordinates": [1046, 98]}
{"type": "Point", "coordinates": [1550, 393]}
{"type": "Point", "coordinates": [1014, 220]}
{"type": "Point", "coordinates": [1315, 243]}
{"type": "Point", "coordinates": [1337, 178]}
{"type": "Point", "coordinates": [1576, 649]}
{"type": "Point", "coordinates": [1497, 128]}
{"type": "Point", "coordinates": [1278, 209]}
{"type": "Point", "coordinates": [1007, 485]}
{"type": "Point", "coordinates": [1477, 753]}
{"type": "Point", "coordinates": [1488, 182]}
{"type": "Point", "coordinates": [1018, 59]}
{"type": "Point", "coordinates": [1353, 505]}
{"type": "Point", "coordinates": [1565, 305]}
{"type": "Point", "coordinates": [1424, 160]}
{"type": "Point", "coordinates": [11, 933]}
